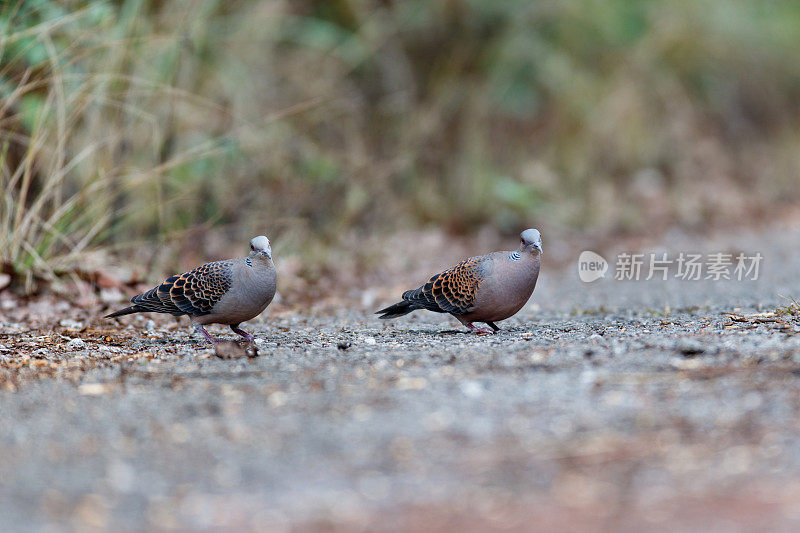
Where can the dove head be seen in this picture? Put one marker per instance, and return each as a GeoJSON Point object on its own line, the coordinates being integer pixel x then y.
{"type": "Point", "coordinates": [530, 240]}
{"type": "Point", "coordinates": [260, 247]}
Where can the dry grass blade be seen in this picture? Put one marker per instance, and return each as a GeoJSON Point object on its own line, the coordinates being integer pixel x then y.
{"type": "Point", "coordinates": [66, 170]}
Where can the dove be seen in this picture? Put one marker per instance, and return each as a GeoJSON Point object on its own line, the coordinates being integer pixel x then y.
{"type": "Point", "coordinates": [486, 288]}
{"type": "Point", "coordinates": [223, 292]}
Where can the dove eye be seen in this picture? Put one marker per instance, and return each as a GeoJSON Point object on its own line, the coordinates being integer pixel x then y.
{"type": "Point", "coordinates": [252, 247]}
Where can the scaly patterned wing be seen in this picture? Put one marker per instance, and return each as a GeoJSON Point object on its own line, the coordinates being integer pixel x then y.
{"type": "Point", "coordinates": [151, 301]}
{"type": "Point", "coordinates": [192, 293]}
{"type": "Point", "coordinates": [452, 291]}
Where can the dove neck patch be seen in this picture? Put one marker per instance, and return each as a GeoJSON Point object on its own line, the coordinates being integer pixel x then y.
{"type": "Point", "coordinates": [515, 255]}
{"type": "Point", "coordinates": [248, 261]}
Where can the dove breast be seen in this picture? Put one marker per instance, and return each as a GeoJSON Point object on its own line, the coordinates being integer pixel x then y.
{"type": "Point", "coordinates": [253, 285]}
{"type": "Point", "coordinates": [506, 286]}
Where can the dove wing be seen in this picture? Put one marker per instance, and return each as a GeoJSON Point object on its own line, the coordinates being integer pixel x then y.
{"type": "Point", "coordinates": [452, 291]}
{"type": "Point", "coordinates": [195, 292]}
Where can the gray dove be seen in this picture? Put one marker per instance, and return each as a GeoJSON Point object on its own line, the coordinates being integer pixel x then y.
{"type": "Point", "coordinates": [486, 288]}
{"type": "Point", "coordinates": [223, 292]}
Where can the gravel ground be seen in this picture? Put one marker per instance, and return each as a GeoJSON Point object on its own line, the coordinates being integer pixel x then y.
{"type": "Point", "coordinates": [611, 406]}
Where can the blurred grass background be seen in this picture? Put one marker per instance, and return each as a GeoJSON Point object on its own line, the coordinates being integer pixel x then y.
{"type": "Point", "coordinates": [132, 121]}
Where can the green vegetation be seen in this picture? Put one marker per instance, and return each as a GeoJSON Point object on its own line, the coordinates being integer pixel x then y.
{"type": "Point", "coordinates": [792, 309]}
{"type": "Point", "coordinates": [133, 119]}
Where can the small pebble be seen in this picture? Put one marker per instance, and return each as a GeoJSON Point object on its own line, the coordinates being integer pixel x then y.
{"type": "Point", "coordinates": [370, 341]}
{"type": "Point", "coordinates": [690, 347]}
{"type": "Point", "coordinates": [233, 350]}
{"type": "Point", "coordinates": [76, 344]}
{"type": "Point", "coordinates": [104, 348]}
{"type": "Point", "coordinates": [92, 389]}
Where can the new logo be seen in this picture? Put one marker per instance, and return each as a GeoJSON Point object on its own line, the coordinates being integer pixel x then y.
{"type": "Point", "coordinates": [591, 266]}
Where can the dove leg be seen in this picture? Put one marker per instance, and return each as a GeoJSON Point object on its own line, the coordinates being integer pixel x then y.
{"type": "Point", "coordinates": [247, 336]}
{"type": "Point", "coordinates": [477, 330]}
{"type": "Point", "coordinates": [493, 326]}
{"type": "Point", "coordinates": [201, 329]}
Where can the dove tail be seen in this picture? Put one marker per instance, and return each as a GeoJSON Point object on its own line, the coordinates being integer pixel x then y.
{"type": "Point", "coordinates": [396, 310]}
{"type": "Point", "coordinates": [127, 311]}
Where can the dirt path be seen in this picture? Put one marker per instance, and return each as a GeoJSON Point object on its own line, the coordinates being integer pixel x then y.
{"type": "Point", "coordinates": [605, 406]}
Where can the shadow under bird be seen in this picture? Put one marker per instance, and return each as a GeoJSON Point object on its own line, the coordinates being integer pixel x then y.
{"type": "Point", "coordinates": [486, 288]}
{"type": "Point", "coordinates": [223, 292]}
